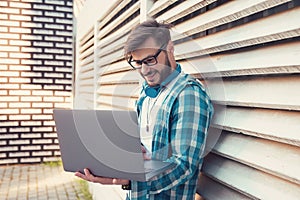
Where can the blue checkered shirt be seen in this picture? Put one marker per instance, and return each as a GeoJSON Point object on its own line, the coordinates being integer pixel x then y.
{"type": "Point", "coordinates": [179, 136]}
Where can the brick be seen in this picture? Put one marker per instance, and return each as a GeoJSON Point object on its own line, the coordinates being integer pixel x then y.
{"type": "Point", "coordinates": [19, 142]}
{"type": "Point", "coordinates": [9, 86]}
{"type": "Point", "coordinates": [31, 98]}
{"type": "Point", "coordinates": [42, 117]}
{"type": "Point", "coordinates": [53, 99]}
{"type": "Point", "coordinates": [54, 87]}
{"type": "Point", "coordinates": [10, 61]}
{"type": "Point", "coordinates": [8, 161]}
{"type": "Point", "coordinates": [30, 160]}
{"type": "Point", "coordinates": [54, 75]}
{"type": "Point", "coordinates": [3, 16]}
{"type": "Point", "coordinates": [64, 9]}
{"type": "Point", "coordinates": [42, 105]}
{"type": "Point", "coordinates": [47, 111]}
{"type": "Point", "coordinates": [57, 153]}
{"type": "Point", "coordinates": [20, 92]}
{"type": "Point", "coordinates": [42, 92]}
{"type": "Point", "coordinates": [62, 93]}
{"type": "Point", "coordinates": [19, 68]}
{"type": "Point", "coordinates": [19, 80]}
{"type": "Point", "coordinates": [8, 99]}
{"type": "Point", "coordinates": [19, 117]}
{"type": "Point", "coordinates": [43, 19]}
{"type": "Point", "coordinates": [55, 26]}
{"type": "Point", "coordinates": [31, 111]}
{"type": "Point", "coordinates": [19, 154]}
{"type": "Point", "coordinates": [31, 37]}
{"type": "Point", "coordinates": [20, 17]}
{"type": "Point", "coordinates": [41, 153]}
{"type": "Point", "coordinates": [10, 10]}
{"type": "Point", "coordinates": [31, 86]}
{"type": "Point", "coordinates": [49, 123]}
{"type": "Point", "coordinates": [42, 141]}
{"type": "Point", "coordinates": [43, 7]}
{"type": "Point", "coordinates": [64, 21]}
{"type": "Point", "coordinates": [19, 55]}
{"type": "Point", "coordinates": [69, 15]}
{"type": "Point", "coordinates": [63, 57]}
{"type": "Point", "coordinates": [32, 25]}
{"type": "Point", "coordinates": [9, 48]}
{"type": "Point", "coordinates": [3, 54]}
{"type": "Point", "coordinates": [42, 129]}
{"type": "Point", "coordinates": [42, 80]}
{"type": "Point", "coordinates": [54, 14]}
{"type": "Point", "coordinates": [31, 135]}
{"type": "Point", "coordinates": [50, 135]}
{"type": "Point", "coordinates": [18, 105]}
{"type": "Point", "coordinates": [31, 74]}
{"type": "Point", "coordinates": [64, 33]}
{"type": "Point", "coordinates": [9, 73]}
{"type": "Point", "coordinates": [3, 42]}
{"type": "Point", "coordinates": [9, 123]}
{"type": "Point", "coordinates": [19, 129]}
{"type": "Point", "coordinates": [31, 123]}
{"type": "Point", "coordinates": [62, 81]}
{"type": "Point", "coordinates": [31, 49]}
{"type": "Point", "coordinates": [4, 3]}
{"type": "Point", "coordinates": [8, 135]}
{"type": "Point", "coordinates": [9, 23]}
{"type": "Point", "coordinates": [9, 36]}
{"type": "Point", "coordinates": [19, 5]}
{"type": "Point", "coordinates": [63, 45]}
{"type": "Point", "coordinates": [43, 32]}
{"type": "Point", "coordinates": [9, 148]}
{"type": "Point", "coordinates": [43, 44]}
{"type": "Point", "coordinates": [33, 1]}
{"type": "Point", "coordinates": [55, 63]}
{"type": "Point", "coordinates": [31, 62]}
{"type": "Point", "coordinates": [62, 105]}
{"type": "Point", "coordinates": [19, 30]}
{"type": "Point", "coordinates": [54, 38]}
{"type": "Point", "coordinates": [42, 56]}
{"type": "Point", "coordinates": [36, 68]}
{"type": "Point", "coordinates": [55, 2]}
{"type": "Point", "coordinates": [53, 159]}
{"type": "Point", "coordinates": [31, 148]}
{"type": "Point", "coordinates": [53, 50]}
{"type": "Point", "coordinates": [31, 12]}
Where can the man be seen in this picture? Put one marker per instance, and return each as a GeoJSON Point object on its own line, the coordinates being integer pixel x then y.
{"type": "Point", "coordinates": [174, 115]}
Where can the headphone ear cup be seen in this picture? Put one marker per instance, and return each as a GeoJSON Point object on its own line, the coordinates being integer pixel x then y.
{"type": "Point", "coordinates": [152, 91]}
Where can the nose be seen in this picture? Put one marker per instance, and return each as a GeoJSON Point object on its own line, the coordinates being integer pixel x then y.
{"type": "Point", "coordinates": [145, 69]}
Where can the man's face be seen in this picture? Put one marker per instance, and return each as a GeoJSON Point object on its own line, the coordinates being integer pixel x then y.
{"type": "Point", "coordinates": [155, 74]}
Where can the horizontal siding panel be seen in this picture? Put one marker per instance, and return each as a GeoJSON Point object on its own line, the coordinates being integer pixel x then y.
{"type": "Point", "coordinates": [127, 77]}
{"type": "Point", "coordinates": [267, 92]}
{"type": "Point", "coordinates": [87, 52]}
{"type": "Point", "coordinates": [112, 25]}
{"type": "Point", "coordinates": [110, 58]}
{"type": "Point", "coordinates": [277, 125]}
{"type": "Point", "coordinates": [115, 45]}
{"type": "Point", "coordinates": [212, 190]}
{"type": "Point", "coordinates": [125, 90]}
{"type": "Point", "coordinates": [85, 38]}
{"type": "Point", "coordinates": [258, 61]}
{"type": "Point", "coordinates": [117, 102]}
{"type": "Point", "coordinates": [226, 13]}
{"type": "Point", "coordinates": [181, 10]}
{"type": "Point", "coordinates": [115, 67]}
{"type": "Point", "coordinates": [274, 158]}
{"type": "Point", "coordinates": [249, 181]}
{"type": "Point", "coordinates": [159, 5]}
{"type": "Point", "coordinates": [273, 28]}
{"type": "Point", "coordinates": [109, 15]}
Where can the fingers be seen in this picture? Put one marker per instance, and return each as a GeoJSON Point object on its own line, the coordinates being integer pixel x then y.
{"type": "Point", "coordinates": [88, 176]}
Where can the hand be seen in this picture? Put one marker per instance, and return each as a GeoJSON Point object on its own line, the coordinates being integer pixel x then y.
{"type": "Point", "coordinates": [146, 153]}
{"type": "Point", "coordinates": [99, 179]}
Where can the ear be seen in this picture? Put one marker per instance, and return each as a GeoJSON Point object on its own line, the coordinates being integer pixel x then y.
{"type": "Point", "coordinates": [170, 47]}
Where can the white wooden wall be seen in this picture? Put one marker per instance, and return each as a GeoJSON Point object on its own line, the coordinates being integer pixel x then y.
{"type": "Point", "coordinates": [248, 54]}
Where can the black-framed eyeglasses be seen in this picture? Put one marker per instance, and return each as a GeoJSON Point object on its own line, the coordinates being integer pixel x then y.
{"type": "Point", "coordinates": [149, 60]}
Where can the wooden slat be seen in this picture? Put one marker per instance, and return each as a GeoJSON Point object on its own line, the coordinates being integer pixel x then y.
{"type": "Point", "coordinates": [265, 92]}
{"type": "Point", "coordinates": [114, 9]}
{"type": "Point", "coordinates": [86, 52]}
{"type": "Point", "coordinates": [118, 102]}
{"type": "Point", "coordinates": [258, 61]}
{"type": "Point", "coordinates": [113, 57]}
{"type": "Point", "coordinates": [276, 125]}
{"type": "Point", "coordinates": [120, 66]}
{"type": "Point", "coordinates": [160, 5]}
{"type": "Point", "coordinates": [130, 77]}
{"type": "Point", "coordinates": [86, 36]}
{"type": "Point", "coordinates": [183, 9]}
{"type": "Point", "coordinates": [212, 190]}
{"type": "Point", "coordinates": [229, 12]}
{"type": "Point", "coordinates": [249, 181]}
{"type": "Point", "coordinates": [240, 148]}
{"type": "Point", "coordinates": [125, 90]}
{"type": "Point", "coordinates": [116, 22]}
{"type": "Point", "coordinates": [278, 27]}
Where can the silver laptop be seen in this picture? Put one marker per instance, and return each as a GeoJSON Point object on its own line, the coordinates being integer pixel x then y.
{"type": "Point", "coordinates": [105, 141]}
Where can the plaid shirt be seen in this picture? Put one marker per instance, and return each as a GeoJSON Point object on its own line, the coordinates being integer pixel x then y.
{"type": "Point", "coordinates": [179, 136]}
